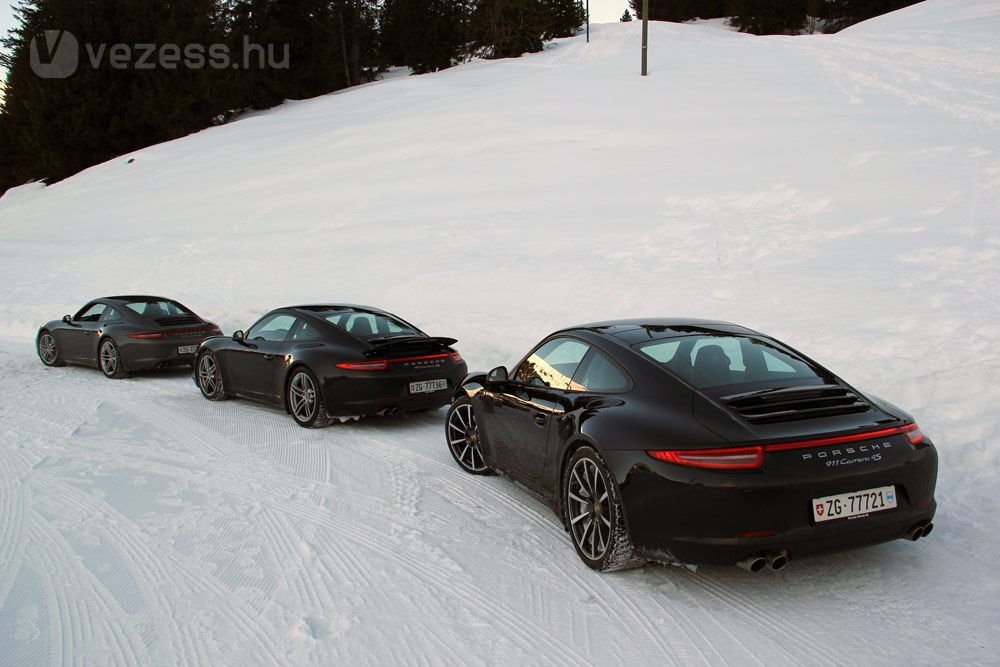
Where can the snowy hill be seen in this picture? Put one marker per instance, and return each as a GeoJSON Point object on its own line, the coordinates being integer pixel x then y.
{"type": "Point", "coordinates": [840, 192]}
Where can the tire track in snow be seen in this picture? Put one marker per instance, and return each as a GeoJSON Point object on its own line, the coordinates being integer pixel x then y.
{"type": "Point", "coordinates": [14, 503]}
{"type": "Point", "coordinates": [238, 615]}
{"type": "Point", "coordinates": [145, 569]}
{"type": "Point", "coordinates": [496, 609]}
{"type": "Point", "coordinates": [203, 435]}
{"type": "Point", "coordinates": [73, 624]}
{"type": "Point", "coordinates": [787, 632]}
{"type": "Point", "coordinates": [328, 601]}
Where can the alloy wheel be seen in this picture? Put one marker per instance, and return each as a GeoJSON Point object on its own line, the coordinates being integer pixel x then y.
{"type": "Point", "coordinates": [47, 349]}
{"type": "Point", "coordinates": [302, 397]}
{"type": "Point", "coordinates": [463, 438]}
{"type": "Point", "coordinates": [590, 509]}
{"type": "Point", "coordinates": [109, 358]}
{"type": "Point", "coordinates": [208, 375]}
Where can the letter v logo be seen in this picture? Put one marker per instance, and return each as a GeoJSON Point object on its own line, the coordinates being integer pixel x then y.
{"type": "Point", "coordinates": [55, 54]}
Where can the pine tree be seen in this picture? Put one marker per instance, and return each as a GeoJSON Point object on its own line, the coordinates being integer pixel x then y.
{"type": "Point", "coordinates": [8, 156]}
{"type": "Point", "coordinates": [425, 35]}
{"type": "Point", "coordinates": [564, 18]}
{"type": "Point", "coordinates": [769, 17]}
{"type": "Point", "coordinates": [626, 17]}
{"type": "Point", "coordinates": [329, 45]}
{"type": "Point", "coordinates": [842, 13]}
{"type": "Point", "coordinates": [680, 10]}
{"type": "Point", "coordinates": [61, 125]}
{"type": "Point", "coordinates": [508, 28]}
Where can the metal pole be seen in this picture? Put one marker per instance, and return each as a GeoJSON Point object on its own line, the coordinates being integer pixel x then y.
{"type": "Point", "coordinates": [588, 21]}
{"type": "Point", "coordinates": [645, 33]}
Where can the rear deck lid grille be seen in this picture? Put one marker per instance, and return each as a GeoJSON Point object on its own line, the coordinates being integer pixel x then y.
{"type": "Point", "coordinates": [794, 403]}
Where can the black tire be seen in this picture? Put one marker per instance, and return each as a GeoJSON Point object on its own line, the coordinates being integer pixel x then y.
{"type": "Point", "coordinates": [109, 360]}
{"type": "Point", "coordinates": [594, 516]}
{"type": "Point", "coordinates": [304, 399]}
{"type": "Point", "coordinates": [48, 349]}
{"type": "Point", "coordinates": [462, 434]}
{"type": "Point", "coordinates": [209, 377]}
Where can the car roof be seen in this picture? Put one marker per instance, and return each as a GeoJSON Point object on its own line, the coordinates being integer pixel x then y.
{"type": "Point", "coordinates": [133, 297]}
{"type": "Point", "coordinates": [637, 330]}
{"type": "Point", "coordinates": [322, 308]}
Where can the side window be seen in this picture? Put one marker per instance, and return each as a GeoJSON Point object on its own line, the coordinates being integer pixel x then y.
{"type": "Point", "coordinates": [91, 313]}
{"type": "Point", "coordinates": [274, 328]}
{"type": "Point", "coordinates": [305, 332]}
{"type": "Point", "coordinates": [775, 365]}
{"type": "Point", "coordinates": [663, 352]}
{"type": "Point", "coordinates": [600, 374]}
{"type": "Point", "coordinates": [110, 315]}
{"type": "Point", "coordinates": [553, 364]}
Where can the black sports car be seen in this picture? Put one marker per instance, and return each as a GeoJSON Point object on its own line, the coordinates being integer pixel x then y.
{"type": "Point", "coordinates": [121, 334]}
{"type": "Point", "coordinates": [696, 442]}
{"type": "Point", "coordinates": [324, 362]}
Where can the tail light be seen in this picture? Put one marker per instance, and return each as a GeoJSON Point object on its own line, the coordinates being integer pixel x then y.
{"type": "Point", "coordinates": [380, 365]}
{"type": "Point", "coordinates": [212, 330]}
{"type": "Point", "coordinates": [913, 434]}
{"type": "Point", "coordinates": [731, 458]}
{"type": "Point", "coordinates": [745, 458]}
{"type": "Point", "coordinates": [383, 364]}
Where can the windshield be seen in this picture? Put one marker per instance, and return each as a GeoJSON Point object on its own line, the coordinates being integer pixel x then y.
{"type": "Point", "coordinates": [707, 360]}
{"type": "Point", "coordinates": [368, 326]}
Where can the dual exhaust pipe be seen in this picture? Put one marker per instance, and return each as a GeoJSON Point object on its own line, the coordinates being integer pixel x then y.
{"type": "Point", "coordinates": [389, 412]}
{"type": "Point", "coordinates": [776, 560]}
{"type": "Point", "coordinates": [922, 529]}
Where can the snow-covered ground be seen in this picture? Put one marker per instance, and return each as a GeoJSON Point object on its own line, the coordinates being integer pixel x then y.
{"type": "Point", "coordinates": [840, 192]}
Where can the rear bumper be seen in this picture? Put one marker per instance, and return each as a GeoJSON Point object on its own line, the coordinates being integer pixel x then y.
{"type": "Point", "coordinates": [370, 393]}
{"type": "Point", "coordinates": [141, 355]}
{"type": "Point", "coordinates": [689, 515]}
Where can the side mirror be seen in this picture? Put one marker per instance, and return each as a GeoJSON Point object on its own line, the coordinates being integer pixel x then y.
{"type": "Point", "coordinates": [498, 374]}
{"type": "Point", "coordinates": [238, 335]}
{"type": "Point", "coordinates": [67, 319]}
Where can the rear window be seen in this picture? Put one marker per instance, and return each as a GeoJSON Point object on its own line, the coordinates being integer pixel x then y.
{"type": "Point", "coordinates": [370, 325]}
{"type": "Point", "coordinates": [158, 308]}
{"type": "Point", "coordinates": [707, 361]}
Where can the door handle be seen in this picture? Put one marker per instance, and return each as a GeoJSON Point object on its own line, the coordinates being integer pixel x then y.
{"type": "Point", "coordinates": [541, 418]}
{"type": "Point", "coordinates": [268, 357]}
{"type": "Point", "coordinates": [87, 333]}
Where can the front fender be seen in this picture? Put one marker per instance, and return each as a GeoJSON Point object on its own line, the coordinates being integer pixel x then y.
{"type": "Point", "coordinates": [472, 384]}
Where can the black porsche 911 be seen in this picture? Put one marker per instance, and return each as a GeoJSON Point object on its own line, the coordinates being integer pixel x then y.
{"type": "Point", "coordinates": [328, 361]}
{"type": "Point", "coordinates": [122, 334]}
{"type": "Point", "coordinates": [696, 442]}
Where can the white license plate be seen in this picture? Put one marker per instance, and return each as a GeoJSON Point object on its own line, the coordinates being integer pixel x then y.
{"type": "Point", "coordinates": [187, 349]}
{"type": "Point", "coordinates": [428, 386]}
{"type": "Point", "coordinates": [859, 503]}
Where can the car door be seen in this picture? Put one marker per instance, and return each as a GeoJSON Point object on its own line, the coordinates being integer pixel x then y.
{"type": "Point", "coordinates": [78, 340]}
{"type": "Point", "coordinates": [525, 409]}
{"type": "Point", "coordinates": [252, 365]}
